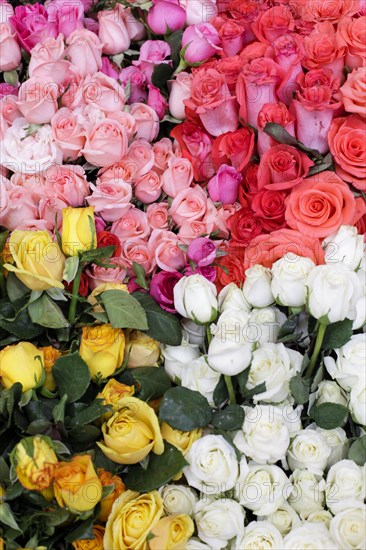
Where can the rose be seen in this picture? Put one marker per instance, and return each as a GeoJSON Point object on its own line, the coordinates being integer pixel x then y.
{"type": "Point", "coordinates": [273, 23]}
{"type": "Point", "coordinates": [132, 518]}
{"type": "Point", "coordinates": [320, 516]}
{"type": "Point", "coordinates": [234, 148]}
{"type": "Point", "coordinates": [308, 495]}
{"type": "Point", "coordinates": [351, 30]}
{"type": "Point", "coordinates": [112, 393]}
{"type": "Point", "coordinates": [347, 369]}
{"type": "Point", "coordinates": [232, 36]}
{"type": "Point", "coordinates": [244, 226]}
{"type": "Point", "coordinates": [96, 543]}
{"type": "Point", "coordinates": [347, 528]}
{"type": "Point", "coordinates": [283, 167]}
{"type": "Point", "coordinates": [107, 479]}
{"type": "Point", "coordinates": [195, 544]}
{"type": "Point", "coordinates": [106, 142]}
{"type": "Point", "coordinates": [202, 251]}
{"type": "Point", "coordinates": [141, 350]}
{"type": "Point", "coordinates": [137, 250]}
{"type": "Point", "coordinates": [232, 297]}
{"type": "Point", "coordinates": [161, 289]}
{"type": "Point", "coordinates": [67, 16]}
{"type": "Point", "coordinates": [323, 49]}
{"type": "Point", "coordinates": [166, 17]}
{"type": "Point", "coordinates": [45, 53]}
{"type": "Point", "coordinates": [284, 519]}
{"type": "Point", "coordinates": [337, 441]}
{"type": "Point", "coordinates": [11, 54]}
{"type": "Point", "coordinates": [98, 275]}
{"type": "Point", "coordinates": [178, 499]}
{"type": "Point", "coordinates": [67, 182]}
{"type": "Point", "coordinates": [147, 121]}
{"type": "Point", "coordinates": [229, 352]}
{"type": "Point", "coordinates": [148, 187]}
{"type": "Point", "coordinates": [264, 435]}
{"type": "Point", "coordinates": [308, 450]}
{"type": "Point", "coordinates": [171, 531]}
{"type": "Point", "coordinates": [353, 91]}
{"type": "Point", "coordinates": [195, 333]}
{"type": "Point", "coordinates": [219, 521]}
{"type": "Point", "coordinates": [177, 177]}
{"type": "Point", "coordinates": [260, 534]}
{"type": "Point", "coordinates": [195, 298]}
{"type": "Point", "coordinates": [301, 537]}
{"type": "Point", "coordinates": [231, 267]}
{"type": "Point", "coordinates": [76, 484]}
{"type": "Point", "coordinates": [224, 186]}
{"type": "Point", "coordinates": [199, 12]}
{"type": "Point", "coordinates": [257, 286]}
{"type": "Point", "coordinates": [110, 199]}
{"type": "Point", "coordinates": [84, 51]}
{"type": "Point", "coordinates": [262, 488]}
{"type": "Point", "coordinates": [344, 246]}
{"type": "Point", "coordinates": [289, 277]}
{"type": "Point", "coordinates": [279, 114]}
{"type": "Point", "coordinates": [345, 486]}
{"type": "Point", "coordinates": [348, 149]}
{"type": "Point", "coordinates": [189, 204]}
{"type": "Point", "coordinates": [131, 226]}
{"type": "Point", "coordinates": [357, 404]}
{"type": "Point", "coordinates": [322, 11]}
{"type": "Point", "coordinates": [102, 92]}
{"type": "Point", "coordinates": [37, 100]}
{"type": "Point", "coordinates": [198, 376]}
{"type": "Point", "coordinates": [35, 471]}
{"type": "Point", "coordinates": [31, 25]}
{"type": "Point", "coordinates": [131, 433]}
{"type": "Point", "coordinates": [18, 205]}
{"type": "Point", "coordinates": [180, 90]}
{"type": "Point", "coordinates": [112, 31]}
{"type": "Point", "coordinates": [328, 392]}
{"type": "Point", "coordinates": [264, 324]}
{"type": "Point", "coordinates": [39, 262]}
{"type": "Point", "coordinates": [200, 42]}
{"type": "Point", "coordinates": [68, 133]}
{"type": "Point", "coordinates": [197, 146]}
{"type": "Point", "coordinates": [102, 348]}
{"type": "Point", "coordinates": [333, 291]}
{"type": "Point", "coordinates": [177, 357]}
{"type": "Point", "coordinates": [78, 230]}
{"type": "Point", "coordinates": [182, 440]}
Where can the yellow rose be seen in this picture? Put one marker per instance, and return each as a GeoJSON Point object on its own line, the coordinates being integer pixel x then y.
{"type": "Point", "coordinates": [131, 520]}
{"type": "Point", "coordinates": [39, 262]}
{"type": "Point", "coordinates": [112, 393]}
{"type": "Point", "coordinates": [171, 532]}
{"type": "Point", "coordinates": [91, 544]}
{"type": "Point", "coordinates": [98, 308]}
{"type": "Point", "coordinates": [131, 433]}
{"type": "Point", "coordinates": [35, 463]}
{"type": "Point", "coordinates": [2, 543]}
{"type": "Point", "coordinates": [76, 484]}
{"type": "Point", "coordinates": [102, 349]}
{"type": "Point", "coordinates": [50, 356]}
{"type": "Point", "coordinates": [2, 494]}
{"type": "Point", "coordinates": [182, 440]}
{"type": "Point", "coordinates": [78, 230]}
{"type": "Point", "coordinates": [23, 363]}
{"type": "Point", "coordinates": [106, 478]}
{"type": "Point", "coordinates": [141, 350]}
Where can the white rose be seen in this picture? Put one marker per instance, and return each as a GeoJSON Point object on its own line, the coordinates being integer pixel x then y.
{"type": "Point", "coordinates": [349, 369]}
{"type": "Point", "coordinates": [199, 376]}
{"type": "Point", "coordinates": [262, 488]}
{"type": "Point", "coordinates": [291, 416]}
{"type": "Point", "coordinates": [337, 441]}
{"type": "Point", "coordinates": [257, 286]}
{"type": "Point", "coordinates": [320, 516]}
{"type": "Point", "coordinates": [264, 324]}
{"type": "Point", "coordinates": [218, 521]}
{"type": "Point", "coordinates": [289, 276]}
{"type": "Point", "coordinates": [284, 519]}
{"type": "Point", "coordinates": [346, 486]}
{"type": "Point", "coordinates": [195, 298]}
{"type": "Point", "coordinates": [195, 333]}
{"type": "Point", "coordinates": [309, 536]}
{"type": "Point", "coordinates": [199, 12]}
{"type": "Point", "coordinates": [260, 535]}
{"type": "Point", "coordinates": [309, 450]}
{"type": "Point", "coordinates": [328, 392]}
{"type": "Point", "coordinates": [212, 465]}
{"type": "Point", "coordinates": [195, 544]}
{"type": "Point", "coordinates": [177, 357]}
{"type": "Point", "coordinates": [29, 149]}
{"type": "Point", "coordinates": [308, 495]}
{"type": "Point", "coordinates": [264, 436]}
{"type": "Point", "coordinates": [333, 292]}
{"type": "Point", "coordinates": [178, 499]}
{"type": "Point", "coordinates": [357, 404]}
{"type": "Point", "coordinates": [360, 318]}
{"type": "Point", "coordinates": [232, 297]}
{"type": "Point", "coordinates": [275, 365]}
{"type": "Point", "coordinates": [348, 529]}
{"type": "Point", "coordinates": [345, 246]}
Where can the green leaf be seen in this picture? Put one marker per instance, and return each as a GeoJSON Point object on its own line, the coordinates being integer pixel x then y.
{"type": "Point", "coordinates": [84, 530]}
{"type": "Point", "coordinates": [46, 312]}
{"type": "Point", "coordinates": [72, 376]}
{"type": "Point", "coordinates": [175, 42]}
{"type": "Point", "coordinates": [59, 409]}
{"type": "Point", "coordinates": [220, 394]}
{"type": "Point", "coordinates": [19, 324]}
{"type": "Point", "coordinates": [84, 435]}
{"type": "Point", "coordinates": [230, 418]}
{"type": "Point", "coordinates": [7, 518]}
{"type": "Point", "coordinates": [161, 74]}
{"type": "Point", "coordinates": [4, 470]}
{"type": "Point", "coordinates": [289, 326]}
{"type": "Point", "coordinates": [242, 379]}
{"type": "Point", "coordinates": [161, 469]}
{"type": "Point", "coordinates": [15, 288]}
{"type": "Point", "coordinates": [99, 253]}
{"type": "Point", "coordinates": [140, 275]}
{"type": "Point", "coordinates": [337, 334]}
{"type": "Point", "coordinates": [357, 451]}
{"type": "Point", "coordinates": [3, 238]}
{"type": "Point", "coordinates": [93, 412]}
{"type": "Point", "coordinates": [38, 426]}
{"type": "Point", "coordinates": [71, 268]}
{"type": "Point", "coordinates": [184, 409]}
{"type": "Point", "coordinates": [150, 382]}
{"type": "Point", "coordinates": [329, 415]}
{"type": "Point", "coordinates": [282, 136]}
{"type": "Point", "coordinates": [163, 326]}
{"type": "Point", "coordinates": [300, 389]}
{"type": "Point", "coordinates": [123, 310]}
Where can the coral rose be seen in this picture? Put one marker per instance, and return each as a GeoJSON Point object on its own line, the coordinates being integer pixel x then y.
{"type": "Point", "coordinates": [283, 167]}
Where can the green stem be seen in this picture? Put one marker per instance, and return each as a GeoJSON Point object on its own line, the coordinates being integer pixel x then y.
{"type": "Point", "coordinates": [182, 65]}
{"type": "Point", "coordinates": [317, 347]}
{"type": "Point", "coordinates": [208, 335]}
{"type": "Point", "coordinates": [2, 282]}
{"type": "Point", "coordinates": [74, 295]}
{"type": "Point", "coordinates": [230, 389]}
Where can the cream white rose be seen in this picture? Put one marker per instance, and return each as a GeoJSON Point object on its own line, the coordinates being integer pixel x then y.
{"type": "Point", "coordinates": [337, 441]}
{"type": "Point", "coordinates": [257, 286]}
{"type": "Point", "coordinates": [260, 535]}
{"type": "Point", "coordinates": [357, 404]}
{"type": "Point", "coordinates": [177, 357]}
{"type": "Point", "coordinates": [346, 486]}
{"type": "Point", "coordinates": [199, 376]}
{"type": "Point", "coordinates": [195, 333]}
{"type": "Point", "coordinates": [348, 529]}
{"type": "Point", "coordinates": [346, 246]}
{"type": "Point", "coordinates": [360, 318]}
{"type": "Point", "coordinates": [219, 521]}
{"type": "Point", "coordinates": [308, 495]}
{"type": "Point", "coordinates": [348, 369]}
{"type": "Point", "coordinates": [328, 392]}
{"type": "Point", "coordinates": [195, 298]}
{"type": "Point", "coordinates": [289, 276]}
{"type": "Point", "coordinates": [178, 499]}
{"type": "Point", "coordinates": [195, 544]}
{"type": "Point", "coordinates": [264, 324]}
{"type": "Point", "coordinates": [310, 536]}
{"type": "Point", "coordinates": [284, 519]}
{"type": "Point", "coordinates": [212, 465]}
{"type": "Point", "coordinates": [308, 450]}
{"type": "Point", "coordinates": [232, 297]}
{"type": "Point", "coordinates": [320, 516]}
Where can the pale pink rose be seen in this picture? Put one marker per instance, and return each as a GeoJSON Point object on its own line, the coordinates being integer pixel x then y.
{"type": "Point", "coordinates": [35, 225]}
{"type": "Point", "coordinates": [167, 253]}
{"type": "Point", "coordinates": [177, 177]}
{"type": "Point", "coordinates": [16, 206]}
{"type": "Point", "coordinates": [148, 187]}
{"type": "Point", "coordinates": [67, 182]}
{"type": "Point", "coordinates": [120, 171]}
{"type": "Point", "coordinates": [180, 89]}
{"type": "Point", "coordinates": [6, 11]}
{"type": "Point", "coordinates": [138, 251]}
{"type": "Point", "coordinates": [190, 230]}
{"type": "Point", "coordinates": [98, 275]}
{"type": "Point", "coordinates": [10, 50]}
{"type": "Point", "coordinates": [163, 152]}
{"type": "Point", "coordinates": [37, 100]}
{"type": "Point", "coordinates": [32, 182]}
{"type": "Point", "coordinates": [133, 225]}
{"type": "Point", "coordinates": [106, 143]}
{"type": "Point", "coordinates": [68, 133]}
{"type": "Point", "coordinates": [85, 51]}
{"type": "Point", "coordinates": [67, 15]}
{"type": "Point", "coordinates": [59, 72]}
{"type": "Point", "coordinates": [50, 211]}
{"type": "Point", "coordinates": [104, 93]}
{"type": "Point", "coordinates": [189, 204]}
{"type": "Point", "coordinates": [199, 11]}
{"type": "Point", "coordinates": [113, 32]}
{"type": "Point", "coordinates": [135, 79]}
{"type": "Point", "coordinates": [71, 96]}
{"type": "Point", "coordinates": [140, 158]}
{"type": "Point", "coordinates": [47, 51]}
{"type": "Point", "coordinates": [158, 215]}
{"type": "Point", "coordinates": [127, 121]}
{"type": "Point", "coordinates": [147, 121]}
{"type": "Point", "coordinates": [9, 110]}
{"type": "Point", "coordinates": [136, 29]}
{"type": "Point", "coordinates": [110, 200]}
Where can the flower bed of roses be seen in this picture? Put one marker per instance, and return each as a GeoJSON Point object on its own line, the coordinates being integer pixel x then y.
{"type": "Point", "coordinates": [183, 304]}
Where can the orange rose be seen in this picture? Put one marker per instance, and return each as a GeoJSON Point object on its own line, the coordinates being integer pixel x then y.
{"type": "Point", "coordinates": [324, 48]}
{"type": "Point", "coordinates": [354, 92]}
{"type": "Point", "coordinates": [323, 10]}
{"type": "Point", "coordinates": [352, 31]}
{"type": "Point", "coordinates": [106, 478]}
{"type": "Point", "coordinates": [348, 147]}
{"type": "Point", "coordinates": [50, 356]}
{"type": "Point", "coordinates": [91, 544]}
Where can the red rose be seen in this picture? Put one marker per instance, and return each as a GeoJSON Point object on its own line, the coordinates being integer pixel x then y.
{"type": "Point", "coordinates": [234, 148]}
{"type": "Point", "coordinates": [230, 268]}
{"type": "Point", "coordinates": [196, 145]}
{"type": "Point", "coordinates": [83, 287]}
{"type": "Point", "coordinates": [244, 226]}
{"type": "Point", "coordinates": [269, 206]}
{"type": "Point", "coordinates": [105, 238]}
{"type": "Point", "coordinates": [283, 167]}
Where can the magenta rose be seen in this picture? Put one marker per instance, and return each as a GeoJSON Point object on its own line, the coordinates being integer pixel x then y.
{"type": "Point", "coordinates": [161, 289]}
{"type": "Point", "coordinates": [209, 272]}
{"type": "Point", "coordinates": [224, 186]}
{"type": "Point", "coordinates": [202, 251]}
{"type": "Point", "coordinates": [165, 17]}
{"type": "Point", "coordinates": [201, 41]}
{"type": "Point", "coordinates": [31, 25]}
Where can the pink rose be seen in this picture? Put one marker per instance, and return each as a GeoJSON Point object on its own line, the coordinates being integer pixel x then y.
{"type": "Point", "coordinates": [232, 38]}
{"type": "Point", "coordinates": [201, 42]}
{"type": "Point", "coordinates": [133, 225]}
{"type": "Point", "coordinates": [9, 109]}
{"type": "Point", "coordinates": [272, 23]}
{"type": "Point", "coordinates": [136, 29]}
{"type": "Point", "coordinates": [158, 215]}
{"type": "Point", "coordinates": [98, 275]}
{"type": "Point", "coordinates": [10, 51]}
{"type": "Point", "coordinates": [288, 54]}
{"type": "Point", "coordinates": [127, 121]}
{"type": "Point", "coordinates": [283, 167]}
{"type": "Point", "coordinates": [224, 186]}
{"type": "Point", "coordinates": [110, 200]}
{"type": "Point", "coordinates": [109, 68]}
{"type": "Point", "coordinates": [50, 211]}
{"type": "Point", "coordinates": [119, 171]}
{"type": "Point", "coordinates": [180, 90]}
{"type": "Point", "coordinates": [324, 48]}
{"type": "Point", "coordinates": [199, 11]}
{"type": "Point", "coordinates": [163, 153]}
{"type": "Point", "coordinates": [138, 251]}
{"type": "Point", "coordinates": [162, 289]}
{"type": "Point", "coordinates": [140, 158]}
{"type": "Point", "coordinates": [17, 205]}
{"type": "Point", "coordinates": [106, 143]}
{"type": "Point", "coordinates": [85, 51]}
{"type": "Point", "coordinates": [147, 121]}
{"type": "Point", "coordinates": [167, 253]}
{"type": "Point", "coordinates": [113, 32]}
{"type": "Point", "coordinates": [104, 93]}
{"type": "Point", "coordinates": [37, 100]}
{"type": "Point", "coordinates": [152, 52]}
{"type": "Point", "coordinates": [279, 114]}
{"type": "Point", "coordinates": [68, 16]}
{"type": "Point", "coordinates": [202, 251]}
{"type": "Point", "coordinates": [68, 133]}
{"type": "Point", "coordinates": [135, 78]}
{"type": "Point", "coordinates": [156, 101]}
{"type": "Point", "coordinates": [189, 204]}
{"type": "Point", "coordinates": [196, 145]}
{"type": "Point", "coordinates": [66, 182]}
{"type": "Point", "coordinates": [193, 229]}
{"type": "Point", "coordinates": [7, 89]}
{"type": "Point", "coordinates": [148, 187]}
{"type": "Point", "coordinates": [165, 17]}
{"type": "Point", "coordinates": [48, 51]}
{"type": "Point", "coordinates": [177, 177]}
{"type": "Point", "coordinates": [31, 25]}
